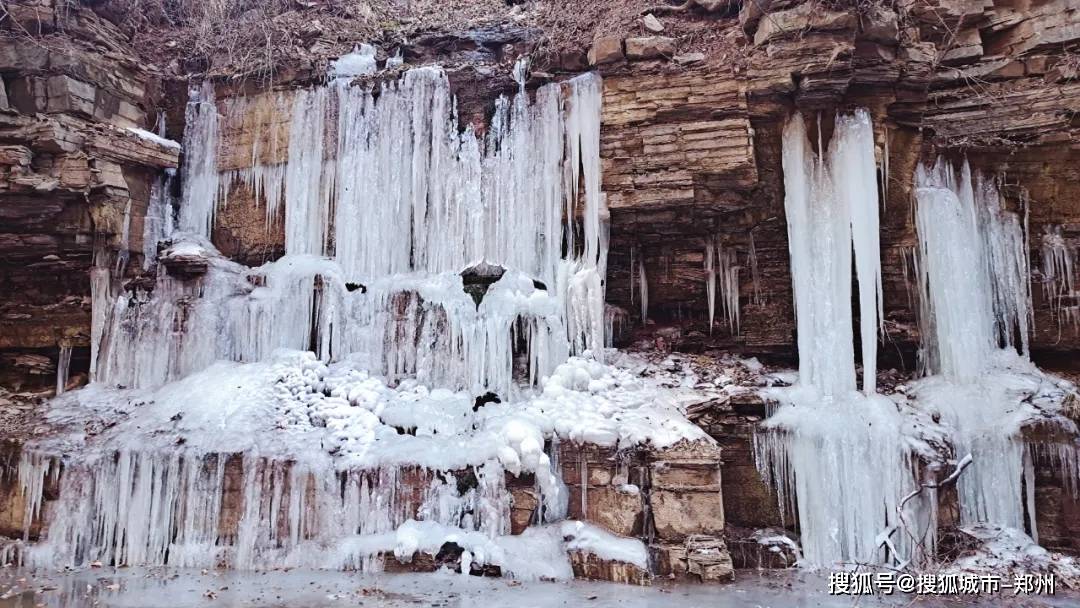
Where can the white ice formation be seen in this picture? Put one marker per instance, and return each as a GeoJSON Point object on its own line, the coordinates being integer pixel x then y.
{"type": "Point", "coordinates": [408, 204]}
{"type": "Point", "coordinates": [838, 457]}
{"type": "Point", "coordinates": [845, 461]}
{"type": "Point", "coordinates": [323, 409]}
{"type": "Point", "coordinates": [975, 319]}
{"type": "Point", "coordinates": [1059, 272]}
{"type": "Point", "coordinates": [721, 265]}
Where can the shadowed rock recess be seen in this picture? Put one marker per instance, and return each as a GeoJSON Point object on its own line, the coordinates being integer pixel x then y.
{"type": "Point", "coordinates": [623, 291]}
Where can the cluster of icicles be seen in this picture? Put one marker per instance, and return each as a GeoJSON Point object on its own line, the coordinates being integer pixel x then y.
{"type": "Point", "coordinates": [243, 511]}
{"type": "Point", "coordinates": [838, 457]}
{"type": "Point", "coordinates": [1059, 278]}
{"type": "Point", "coordinates": [385, 201]}
{"type": "Point", "coordinates": [833, 452]}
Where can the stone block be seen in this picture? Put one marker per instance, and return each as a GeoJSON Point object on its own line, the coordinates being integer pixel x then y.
{"type": "Point", "coordinates": [650, 47]}
{"type": "Point", "coordinates": [800, 19]}
{"type": "Point", "coordinates": [707, 557]}
{"type": "Point", "coordinates": [589, 566]}
{"type": "Point", "coordinates": [651, 23]}
{"type": "Point", "coordinates": [678, 514]}
{"type": "Point", "coordinates": [68, 95]}
{"type": "Point", "coordinates": [522, 509]}
{"type": "Point", "coordinates": [605, 50]}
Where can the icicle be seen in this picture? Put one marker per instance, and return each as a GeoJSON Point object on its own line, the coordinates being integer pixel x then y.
{"type": "Point", "coordinates": [974, 282]}
{"type": "Point", "coordinates": [1059, 277]}
{"type": "Point", "coordinates": [972, 273]}
{"type": "Point", "coordinates": [729, 287]}
{"type": "Point", "coordinates": [885, 167]}
{"type": "Point", "coordinates": [200, 174]}
{"type": "Point", "coordinates": [710, 279]}
{"type": "Point", "coordinates": [123, 252]}
{"type": "Point", "coordinates": [819, 234]}
{"type": "Point", "coordinates": [307, 201]}
{"type": "Point", "coordinates": [643, 286]}
{"type": "Point", "coordinates": [158, 223]}
{"type": "Point", "coordinates": [360, 62]}
{"type": "Point", "coordinates": [851, 162]}
{"type": "Point", "coordinates": [101, 305]}
{"type": "Point", "coordinates": [755, 274]}
{"type": "Point", "coordinates": [176, 509]}
{"type": "Point", "coordinates": [1029, 494]}
{"type": "Point", "coordinates": [63, 364]}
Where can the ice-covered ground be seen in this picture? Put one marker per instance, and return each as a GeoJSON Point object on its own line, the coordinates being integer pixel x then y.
{"type": "Point", "coordinates": [295, 406]}
{"type": "Point", "coordinates": [325, 452]}
{"type": "Point", "coordinates": [158, 588]}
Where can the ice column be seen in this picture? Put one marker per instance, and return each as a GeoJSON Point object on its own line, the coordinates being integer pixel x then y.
{"type": "Point", "coordinates": [200, 174]}
{"type": "Point", "coordinates": [974, 294]}
{"type": "Point", "coordinates": [836, 456]}
{"type": "Point", "coordinates": [63, 365]}
{"type": "Point", "coordinates": [710, 279]}
{"type": "Point", "coordinates": [307, 189]}
{"type": "Point", "coordinates": [973, 271]}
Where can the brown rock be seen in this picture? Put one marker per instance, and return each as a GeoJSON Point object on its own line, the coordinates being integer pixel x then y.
{"type": "Point", "coordinates": [967, 46]}
{"type": "Point", "coordinates": [614, 508]}
{"type": "Point", "coordinates": [650, 47]}
{"type": "Point", "coordinates": [651, 23]}
{"type": "Point", "coordinates": [1036, 66]}
{"type": "Point", "coordinates": [686, 493]}
{"type": "Point", "coordinates": [688, 58]}
{"type": "Point", "coordinates": [185, 262]}
{"type": "Point", "coordinates": [523, 509]}
{"type": "Point", "coordinates": [573, 61]}
{"type": "Point", "coordinates": [880, 25]}
{"type": "Point", "coordinates": [677, 515]}
{"type": "Point", "coordinates": [750, 15]}
{"type": "Point", "coordinates": [708, 558]}
{"type": "Point", "coordinates": [605, 50]}
{"type": "Point", "coordinates": [590, 567]}
{"type": "Point", "coordinates": [669, 559]}
{"type": "Point", "coordinates": [804, 17]}
{"type": "Point", "coordinates": [768, 548]}
{"type": "Point", "coordinates": [69, 95]}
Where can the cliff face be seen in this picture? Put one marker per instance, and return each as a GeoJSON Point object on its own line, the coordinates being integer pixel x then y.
{"type": "Point", "coordinates": [692, 152]}
{"type": "Point", "coordinates": [690, 145]}
{"type": "Point", "coordinates": [74, 178]}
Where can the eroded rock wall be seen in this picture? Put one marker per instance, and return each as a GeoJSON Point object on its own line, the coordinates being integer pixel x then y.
{"type": "Point", "coordinates": [74, 180]}
{"type": "Point", "coordinates": [993, 82]}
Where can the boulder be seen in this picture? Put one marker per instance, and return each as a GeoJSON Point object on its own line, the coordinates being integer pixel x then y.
{"type": "Point", "coordinates": [651, 23]}
{"type": "Point", "coordinates": [605, 50]}
{"type": "Point", "coordinates": [802, 18]}
{"type": "Point", "coordinates": [523, 509]}
{"type": "Point", "coordinates": [880, 24]}
{"type": "Point", "coordinates": [591, 567]}
{"type": "Point", "coordinates": [650, 47]}
{"type": "Point", "coordinates": [707, 557]}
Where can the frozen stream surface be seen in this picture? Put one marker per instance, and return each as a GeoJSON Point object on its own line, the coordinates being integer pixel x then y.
{"type": "Point", "coordinates": [154, 588]}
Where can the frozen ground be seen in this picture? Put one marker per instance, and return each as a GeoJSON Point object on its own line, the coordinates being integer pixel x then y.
{"type": "Point", "coordinates": [137, 588]}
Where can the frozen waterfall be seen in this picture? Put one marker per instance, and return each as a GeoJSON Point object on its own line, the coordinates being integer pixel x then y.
{"type": "Point", "coordinates": [837, 457]}
{"type": "Point", "coordinates": [386, 192]}
{"type": "Point", "coordinates": [387, 203]}
{"type": "Point", "coordinates": [975, 313]}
